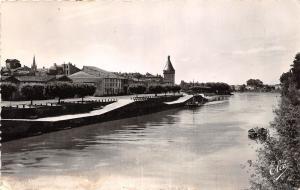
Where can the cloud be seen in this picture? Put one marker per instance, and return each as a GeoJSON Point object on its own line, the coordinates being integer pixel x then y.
{"type": "Point", "coordinates": [271, 49]}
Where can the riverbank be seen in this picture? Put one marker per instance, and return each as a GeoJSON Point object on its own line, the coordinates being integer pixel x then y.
{"type": "Point", "coordinates": [122, 108]}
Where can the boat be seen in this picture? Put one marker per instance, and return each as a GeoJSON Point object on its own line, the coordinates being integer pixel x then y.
{"type": "Point", "coordinates": [193, 103]}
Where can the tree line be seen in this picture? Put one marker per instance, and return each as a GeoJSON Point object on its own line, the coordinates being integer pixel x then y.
{"type": "Point", "coordinates": [58, 90]}
{"type": "Point", "coordinates": [220, 88]}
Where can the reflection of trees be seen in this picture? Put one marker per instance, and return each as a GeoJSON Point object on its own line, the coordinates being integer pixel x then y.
{"type": "Point", "coordinates": [278, 163]}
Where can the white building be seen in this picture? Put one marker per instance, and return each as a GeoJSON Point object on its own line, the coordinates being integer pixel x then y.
{"type": "Point", "coordinates": [106, 83]}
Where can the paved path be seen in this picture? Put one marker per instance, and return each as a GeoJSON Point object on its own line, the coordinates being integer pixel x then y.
{"type": "Point", "coordinates": [120, 103]}
{"type": "Point", "coordinates": [180, 100]}
{"type": "Point", "coordinates": [109, 107]}
{"type": "Point", "coordinates": [14, 103]}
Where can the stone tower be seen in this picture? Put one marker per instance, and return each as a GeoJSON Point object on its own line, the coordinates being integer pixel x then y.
{"type": "Point", "coordinates": [169, 73]}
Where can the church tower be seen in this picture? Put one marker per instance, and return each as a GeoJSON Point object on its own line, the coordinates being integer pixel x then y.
{"type": "Point", "coordinates": [169, 73]}
{"type": "Point", "coordinates": [33, 66]}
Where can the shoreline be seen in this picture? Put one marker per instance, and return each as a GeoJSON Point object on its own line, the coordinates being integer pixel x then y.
{"type": "Point", "coordinates": [13, 129]}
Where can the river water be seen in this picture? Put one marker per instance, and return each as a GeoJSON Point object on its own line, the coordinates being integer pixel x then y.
{"type": "Point", "coordinates": [203, 148]}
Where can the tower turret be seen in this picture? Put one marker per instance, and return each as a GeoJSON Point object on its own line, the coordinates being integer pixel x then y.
{"type": "Point", "coordinates": [169, 73]}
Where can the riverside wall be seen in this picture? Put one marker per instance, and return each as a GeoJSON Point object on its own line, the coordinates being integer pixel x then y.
{"type": "Point", "coordinates": [19, 128]}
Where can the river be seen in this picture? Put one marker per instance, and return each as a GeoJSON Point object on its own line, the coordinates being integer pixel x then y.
{"type": "Point", "coordinates": [203, 148]}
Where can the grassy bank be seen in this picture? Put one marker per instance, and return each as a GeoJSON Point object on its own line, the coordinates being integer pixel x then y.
{"type": "Point", "coordinates": [278, 162]}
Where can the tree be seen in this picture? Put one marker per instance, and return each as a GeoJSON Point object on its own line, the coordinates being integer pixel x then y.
{"type": "Point", "coordinates": [175, 88]}
{"type": "Point", "coordinates": [141, 89]}
{"type": "Point", "coordinates": [155, 89]}
{"type": "Point", "coordinates": [83, 90]}
{"type": "Point", "coordinates": [32, 91]}
{"type": "Point", "coordinates": [166, 89]}
{"type": "Point", "coordinates": [137, 89]}
{"type": "Point", "coordinates": [296, 71]}
{"type": "Point", "coordinates": [290, 82]}
{"type": "Point", "coordinates": [7, 90]}
{"type": "Point", "coordinates": [243, 88]}
{"type": "Point", "coordinates": [254, 83]}
{"type": "Point", "coordinates": [219, 87]}
{"type": "Point", "coordinates": [285, 82]}
{"type": "Point", "coordinates": [61, 90]}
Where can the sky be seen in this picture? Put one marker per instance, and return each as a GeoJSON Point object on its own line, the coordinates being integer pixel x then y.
{"type": "Point", "coordinates": [208, 41]}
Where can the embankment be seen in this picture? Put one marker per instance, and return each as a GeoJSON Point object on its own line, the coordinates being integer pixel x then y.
{"type": "Point", "coordinates": [20, 128]}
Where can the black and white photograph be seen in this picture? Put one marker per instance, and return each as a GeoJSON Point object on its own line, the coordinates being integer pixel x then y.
{"type": "Point", "coordinates": [150, 95]}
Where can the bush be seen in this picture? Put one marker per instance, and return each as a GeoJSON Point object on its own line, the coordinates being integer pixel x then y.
{"type": "Point", "coordinates": [7, 90]}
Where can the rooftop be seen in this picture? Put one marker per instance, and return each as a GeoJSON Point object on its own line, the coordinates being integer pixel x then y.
{"type": "Point", "coordinates": [45, 78]}
{"type": "Point", "coordinates": [82, 74]}
{"type": "Point", "coordinates": [169, 67]}
{"type": "Point", "coordinates": [100, 72]}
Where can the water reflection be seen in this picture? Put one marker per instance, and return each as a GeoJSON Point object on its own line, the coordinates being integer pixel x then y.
{"type": "Point", "coordinates": [203, 147]}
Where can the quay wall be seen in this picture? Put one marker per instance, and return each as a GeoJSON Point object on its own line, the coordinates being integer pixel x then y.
{"type": "Point", "coordinates": [16, 129]}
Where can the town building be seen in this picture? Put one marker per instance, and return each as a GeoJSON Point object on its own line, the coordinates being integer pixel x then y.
{"type": "Point", "coordinates": [138, 79]}
{"type": "Point", "coordinates": [55, 70]}
{"type": "Point", "coordinates": [169, 73]}
{"type": "Point", "coordinates": [14, 68]}
{"type": "Point", "coordinates": [107, 83]}
{"type": "Point", "coordinates": [111, 83]}
{"type": "Point", "coordinates": [22, 71]}
{"type": "Point", "coordinates": [63, 69]}
{"type": "Point", "coordinates": [41, 71]}
{"type": "Point", "coordinates": [20, 80]}
{"type": "Point", "coordinates": [83, 77]}
{"type": "Point", "coordinates": [69, 68]}
{"type": "Point", "coordinates": [12, 63]}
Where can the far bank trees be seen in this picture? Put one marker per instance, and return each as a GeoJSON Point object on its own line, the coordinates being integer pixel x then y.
{"type": "Point", "coordinates": [255, 83]}
{"type": "Point", "coordinates": [219, 88]}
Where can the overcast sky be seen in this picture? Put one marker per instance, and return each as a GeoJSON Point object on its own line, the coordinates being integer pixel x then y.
{"type": "Point", "coordinates": [229, 41]}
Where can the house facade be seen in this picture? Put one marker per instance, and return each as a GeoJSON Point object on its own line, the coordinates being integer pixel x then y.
{"type": "Point", "coordinates": [107, 83]}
